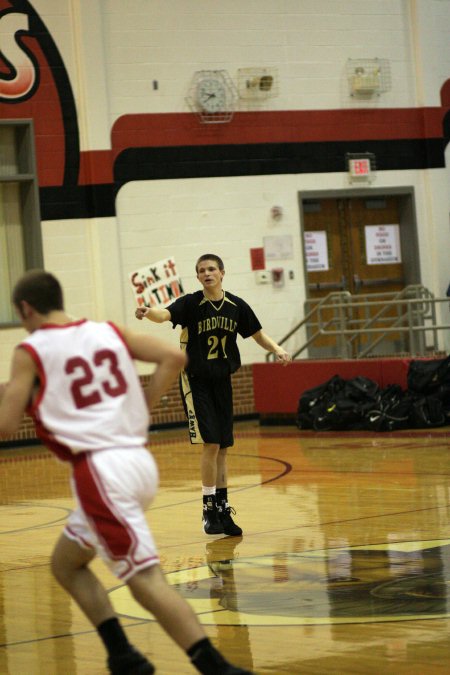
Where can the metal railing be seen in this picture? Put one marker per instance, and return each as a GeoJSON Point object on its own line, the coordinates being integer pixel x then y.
{"type": "Point", "coordinates": [356, 325]}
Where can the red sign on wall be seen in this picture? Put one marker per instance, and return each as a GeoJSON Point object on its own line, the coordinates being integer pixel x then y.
{"type": "Point", "coordinates": [258, 259]}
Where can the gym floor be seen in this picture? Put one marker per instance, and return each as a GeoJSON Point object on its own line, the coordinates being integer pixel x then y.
{"type": "Point", "coordinates": [344, 566]}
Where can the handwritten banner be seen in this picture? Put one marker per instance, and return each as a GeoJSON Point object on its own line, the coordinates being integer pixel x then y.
{"type": "Point", "coordinates": [156, 285]}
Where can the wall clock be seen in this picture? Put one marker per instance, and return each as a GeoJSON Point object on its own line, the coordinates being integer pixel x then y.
{"type": "Point", "coordinates": [212, 96]}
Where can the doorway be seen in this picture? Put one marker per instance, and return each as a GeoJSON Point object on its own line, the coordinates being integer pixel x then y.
{"type": "Point", "coordinates": [363, 244]}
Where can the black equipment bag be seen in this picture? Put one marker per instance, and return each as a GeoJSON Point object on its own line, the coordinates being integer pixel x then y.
{"type": "Point", "coordinates": [430, 376]}
{"type": "Point", "coordinates": [358, 403]}
{"type": "Point", "coordinates": [392, 412]}
{"type": "Point", "coordinates": [427, 411]}
{"type": "Point", "coordinates": [430, 382]}
{"type": "Point", "coordinates": [313, 401]}
{"type": "Point", "coordinates": [338, 404]}
{"type": "Point", "coordinates": [347, 409]}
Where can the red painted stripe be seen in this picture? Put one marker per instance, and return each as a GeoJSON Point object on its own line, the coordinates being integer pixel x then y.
{"type": "Point", "coordinates": [285, 126]}
{"type": "Point", "coordinates": [96, 167]}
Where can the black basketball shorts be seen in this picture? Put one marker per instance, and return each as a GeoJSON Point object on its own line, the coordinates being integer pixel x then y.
{"type": "Point", "coordinates": [208, 404]}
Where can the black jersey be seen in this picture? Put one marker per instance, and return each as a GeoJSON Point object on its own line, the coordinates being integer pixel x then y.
{"type": "Point", "coordinates": [210, 329]}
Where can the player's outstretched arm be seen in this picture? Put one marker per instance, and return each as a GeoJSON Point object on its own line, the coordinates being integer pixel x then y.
{"type": "Point", "coordinates": [169, 361]}
{"type": "Point", "coordinates": [156, 314]}
{"type": "Point", "coordinates": [270, 345]}
{"type": "Point", "coordinates": [15, 395]}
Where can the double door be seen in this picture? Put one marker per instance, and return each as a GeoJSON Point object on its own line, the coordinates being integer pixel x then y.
{"type": "Point", "coordinates": [354, 245]}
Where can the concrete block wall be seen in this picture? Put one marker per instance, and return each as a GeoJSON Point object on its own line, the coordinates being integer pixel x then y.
{"type": "Point", "coordinates": [169, 412]}
{"type": "Point", "coordinates": [129, 70]}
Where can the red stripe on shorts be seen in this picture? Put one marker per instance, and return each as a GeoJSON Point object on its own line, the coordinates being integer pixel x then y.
{"type": "Point", "coordinates": [113, 533]}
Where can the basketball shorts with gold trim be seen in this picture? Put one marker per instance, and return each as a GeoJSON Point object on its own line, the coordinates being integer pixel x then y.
{"type": "Point", "coordinates": [208, 404]}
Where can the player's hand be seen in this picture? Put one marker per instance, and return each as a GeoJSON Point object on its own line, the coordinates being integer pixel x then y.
{"type": "Point", "coordinates": [140, 313]}
{"type": "Point", "coordinates": [283, 357]}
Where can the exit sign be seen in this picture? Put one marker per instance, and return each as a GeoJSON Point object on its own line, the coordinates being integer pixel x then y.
{"type": "Point", "coordinates": [359, 168]}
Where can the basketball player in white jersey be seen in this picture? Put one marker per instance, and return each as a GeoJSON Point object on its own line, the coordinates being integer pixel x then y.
{"type": "Point", "coordinates": [78, 381]}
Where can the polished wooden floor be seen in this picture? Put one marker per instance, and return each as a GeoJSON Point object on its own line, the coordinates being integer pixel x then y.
{"type": "Point", "coordinates": [344, 566]}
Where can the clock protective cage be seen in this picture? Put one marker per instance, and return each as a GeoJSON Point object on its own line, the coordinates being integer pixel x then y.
{"type": "Point", "coordinates": [212, 96]}
{"type": "Point", "coordinates": [257, 84]}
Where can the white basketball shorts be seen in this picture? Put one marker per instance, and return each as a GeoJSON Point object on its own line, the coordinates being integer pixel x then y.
{"type": "Point", "coordinates": [112, 489]}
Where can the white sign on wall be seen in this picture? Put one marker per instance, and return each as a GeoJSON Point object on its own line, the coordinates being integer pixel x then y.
{"type": "Point", "coordinates": [316, 250]}
{"type": "Point", "coordinates": [157, 284]}
{"type": "Point", "coordinates": [280, 247]}
{"type": "Point", "coordinates": [382, 244]}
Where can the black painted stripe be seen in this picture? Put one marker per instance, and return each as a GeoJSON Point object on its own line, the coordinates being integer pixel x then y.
{"type": "Point", "coordinates": [216, 161]}
{"type": "Point", "coordinates": [78, 201]}
{"type": "Point", "coordinates": [272, 158]}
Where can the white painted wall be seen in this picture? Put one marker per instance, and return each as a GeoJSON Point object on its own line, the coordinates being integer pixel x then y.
{"type": "Point", "coordinates": [308, 41]}
{"type": "Point", "coordinates": [199, 221]}
{"type": "Point", "coordinates": [115, 50]}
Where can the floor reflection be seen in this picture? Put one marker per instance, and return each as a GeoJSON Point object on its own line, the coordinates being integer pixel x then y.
{"type": "Point", "coordinates": [221, 559]}
{"type": "Point", "coordinates": [354, 584]}
{"type": "Point", "coordinates": [344, 566]}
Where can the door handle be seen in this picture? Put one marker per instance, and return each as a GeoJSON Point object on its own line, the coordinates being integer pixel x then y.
{"type": "Point", "coordinates": [376, 282]}
{"type": "Point", "coordinates": [329, 285]}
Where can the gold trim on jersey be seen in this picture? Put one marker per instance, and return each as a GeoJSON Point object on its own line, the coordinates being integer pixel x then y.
{"type": "Point", "coordinates": [205, 299]}
{"type": "Point", "coordinates": [194, 431]}
{"type": "Point", "coordinates": [184, 336]}
{"type": "Point", "coordinates": [227, 299]}
{"type": "Point", "coordinates": [224, 299]}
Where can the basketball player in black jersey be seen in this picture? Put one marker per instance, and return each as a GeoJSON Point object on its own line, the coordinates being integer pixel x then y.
{"type": "Point", "coordinates": [211, 320]}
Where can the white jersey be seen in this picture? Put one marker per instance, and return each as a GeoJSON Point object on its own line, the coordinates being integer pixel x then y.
{"type": "Point", "coordinates": [89, 395]}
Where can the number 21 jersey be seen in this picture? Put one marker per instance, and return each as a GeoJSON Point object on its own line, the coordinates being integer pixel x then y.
{"type": "Point", "coordinates": [210, 329]}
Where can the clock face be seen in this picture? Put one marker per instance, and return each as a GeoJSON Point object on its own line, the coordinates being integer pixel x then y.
{"type": "Point", "coordinates": [211, 95]}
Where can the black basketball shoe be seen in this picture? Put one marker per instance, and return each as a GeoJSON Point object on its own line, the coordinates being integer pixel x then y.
{"type": "Point", "coordinates": [229, 526]}
{"type": "Point", "coordinates": [208, 660]}
{"type": "Point", "coordinates": [131, 662]}
{"type": "Point", "coordinates": [211, 520]}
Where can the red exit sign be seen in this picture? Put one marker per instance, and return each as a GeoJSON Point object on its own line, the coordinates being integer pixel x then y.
{"type": "Point", "coordinates": [359, 167]}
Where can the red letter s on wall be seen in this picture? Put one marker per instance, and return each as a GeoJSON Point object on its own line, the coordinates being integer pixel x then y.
{"type": "Point", "coordinates": [21, 79]}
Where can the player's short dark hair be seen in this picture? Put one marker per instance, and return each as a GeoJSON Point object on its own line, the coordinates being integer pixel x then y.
{"type": "Point", "coordinates": [210, 256]}
{"type": "Point", "coordinates": [41, 290]}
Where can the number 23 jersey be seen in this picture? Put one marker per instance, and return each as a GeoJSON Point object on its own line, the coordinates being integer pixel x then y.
{"type": "Point", "coordinates": [210, 329]}
{"type": "Point", "coordinates": [88, 396]}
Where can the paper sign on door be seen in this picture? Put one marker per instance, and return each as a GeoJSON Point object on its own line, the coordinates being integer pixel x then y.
{"type": "Point", "coordinates": [382, 244]}
{"type": "Point", "coordinates": [316, 251]}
